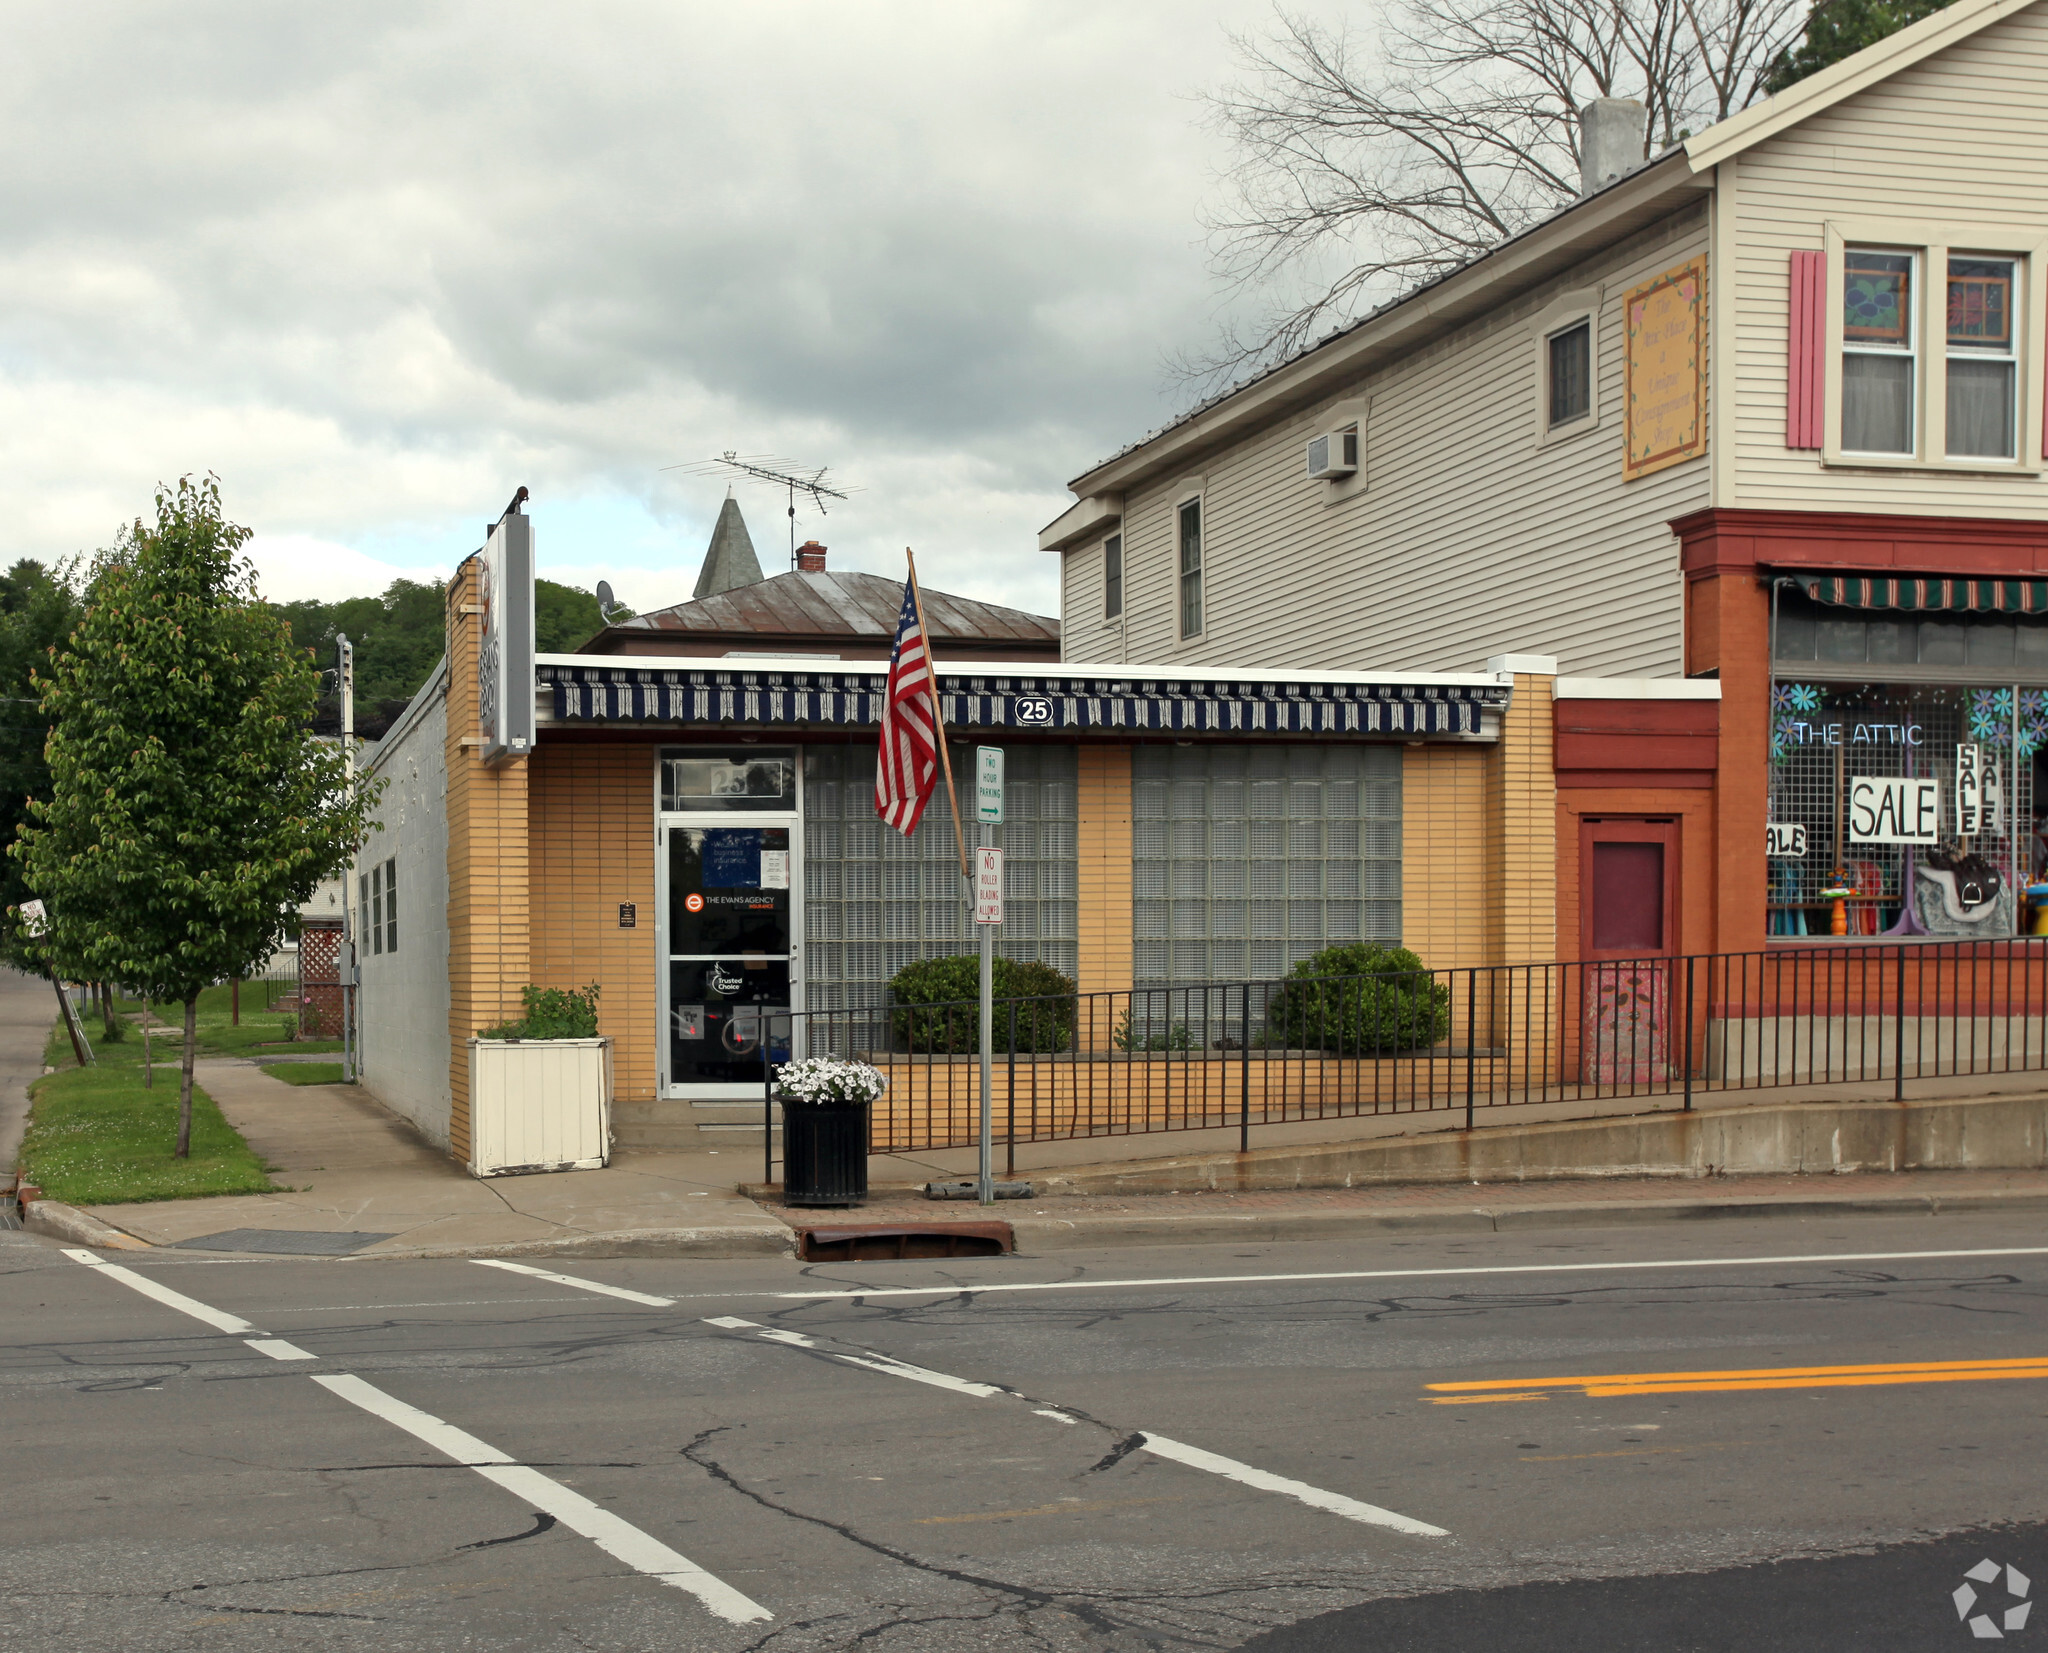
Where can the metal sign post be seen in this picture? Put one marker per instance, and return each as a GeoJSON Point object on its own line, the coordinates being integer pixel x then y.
{"type": "Point", "coordinates": [988, 913]}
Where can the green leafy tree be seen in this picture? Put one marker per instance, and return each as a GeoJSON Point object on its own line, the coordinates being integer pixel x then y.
{"type": "Point", "coordinates": [190, 808]}
{"type": "Point", "coordinates": [399, 636]}
{"type": "Point", "coordinates": [38, 608]}
{"type": "Point", "coordinates": [1836, 29]}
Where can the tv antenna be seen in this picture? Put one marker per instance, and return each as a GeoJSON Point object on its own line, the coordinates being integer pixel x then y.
{"type": "Point", "coordinates": [776, 473]}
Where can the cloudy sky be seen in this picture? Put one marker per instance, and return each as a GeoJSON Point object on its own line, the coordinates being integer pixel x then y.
{"type": "Point", "coordinates": [377, 264]}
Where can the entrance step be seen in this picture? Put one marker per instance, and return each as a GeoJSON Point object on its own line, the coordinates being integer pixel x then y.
{"type": "Point", "coordinates": [674, 1125]}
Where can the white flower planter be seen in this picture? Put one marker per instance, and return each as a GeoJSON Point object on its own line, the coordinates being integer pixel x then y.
{"type": "Point", "coordinates": [539, 1105]}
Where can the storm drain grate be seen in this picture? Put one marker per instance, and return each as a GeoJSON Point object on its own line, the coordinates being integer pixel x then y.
{"type": "Point", "coordinates": [297, 1242]}
{"type": "Point", "coordinates": [883, 1242]}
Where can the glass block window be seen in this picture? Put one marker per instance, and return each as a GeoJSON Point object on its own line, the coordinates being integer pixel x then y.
{"type": "Point", "coordinates": [875, 901]}
{"type": "Point", "coordinates": [1246, 860]}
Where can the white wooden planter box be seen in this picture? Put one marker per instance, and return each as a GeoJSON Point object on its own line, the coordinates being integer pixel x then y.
{"type": "Point", "coordinates": [539, 1105]}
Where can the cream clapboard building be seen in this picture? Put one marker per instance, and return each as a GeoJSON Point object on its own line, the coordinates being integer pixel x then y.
{"type": "Point", "coordinates": [1788, 373]}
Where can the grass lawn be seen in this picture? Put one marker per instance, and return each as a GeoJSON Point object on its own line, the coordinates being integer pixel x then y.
{"type": "Point", "coordinates": [96, 1137]}
{"type": "Point", "coordinates": [261, 1031]}
{"type": "Point", "coordinates": [305, 1073]}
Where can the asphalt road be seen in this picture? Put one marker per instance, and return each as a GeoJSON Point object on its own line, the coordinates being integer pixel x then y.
{"type": "Point", "coordinates": [1149, 1454]}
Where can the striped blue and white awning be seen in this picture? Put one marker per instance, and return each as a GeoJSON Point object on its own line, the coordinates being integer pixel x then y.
{"type": "Point", "coordinates": [727, 698]}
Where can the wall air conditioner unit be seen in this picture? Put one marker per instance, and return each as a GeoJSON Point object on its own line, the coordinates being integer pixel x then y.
{"type": "Point", "coordinates": [1334, 453]}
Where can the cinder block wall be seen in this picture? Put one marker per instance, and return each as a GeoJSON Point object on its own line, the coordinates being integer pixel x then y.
{"type": "Point", "coordinates": [591, 813]}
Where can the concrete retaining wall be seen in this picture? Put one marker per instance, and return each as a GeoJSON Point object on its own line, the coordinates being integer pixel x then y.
{"type": "Point", "coordinates": [1989, 1133]}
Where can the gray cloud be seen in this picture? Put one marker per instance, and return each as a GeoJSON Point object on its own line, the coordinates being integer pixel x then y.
{"type": "Point", "coordinates": [375, 263]}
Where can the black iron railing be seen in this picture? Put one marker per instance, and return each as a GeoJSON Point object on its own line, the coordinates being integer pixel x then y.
{"type": "Point", "coordinates": [1479, 1040]}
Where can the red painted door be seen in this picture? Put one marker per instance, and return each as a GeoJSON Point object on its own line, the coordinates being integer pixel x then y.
{"type": "Point", "coordinates": [1628, 922]}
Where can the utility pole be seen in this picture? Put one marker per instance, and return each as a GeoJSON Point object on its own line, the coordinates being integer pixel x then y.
{"type": "Point", "coordinates": [345, 961]}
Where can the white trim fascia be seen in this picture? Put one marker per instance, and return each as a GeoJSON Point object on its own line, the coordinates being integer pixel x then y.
{"type": "Point", "coordinates": [1636, 688]}
{"type": "Point", "coordinates": [1084, 517]}
{"type": "Point", "coordinates": [1575, 232]}
{"type": "Point", "coordinates": [1853, 74]}
{"type": "Point", "coordinates": [1116, 671]}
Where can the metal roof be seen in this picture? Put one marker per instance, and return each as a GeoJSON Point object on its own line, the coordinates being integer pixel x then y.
{"type": "Point", "coordinates": [842, 605]}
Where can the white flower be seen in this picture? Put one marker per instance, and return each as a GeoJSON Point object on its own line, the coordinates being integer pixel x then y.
{"type": "Point", "coordinates": [818, 1079]}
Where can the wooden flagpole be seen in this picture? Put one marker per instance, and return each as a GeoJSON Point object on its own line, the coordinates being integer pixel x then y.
{"type": "Point", "coordinates": [931, 668]}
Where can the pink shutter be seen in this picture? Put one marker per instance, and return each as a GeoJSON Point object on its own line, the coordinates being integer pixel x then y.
{"type": "Point", "coordinates": [1806, 350]}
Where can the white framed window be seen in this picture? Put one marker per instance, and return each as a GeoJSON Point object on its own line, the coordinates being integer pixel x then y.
{"type": "Point", "coordinates": [1113, 577]}
{"type": "Point", "coordinates": [1981, 331]}
{"type": "Point", "coordinates": [1929, 362]}
{"type": "Point", "coordinates": [1187, 535]}
{"type": "Point", "coordinates": [1880, 350]}
{"type": "Point", "coordinates": [1566, 360]}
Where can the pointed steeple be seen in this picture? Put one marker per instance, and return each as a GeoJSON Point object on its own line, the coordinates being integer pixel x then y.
{"type": "Point", "coordinates": [729, 559]}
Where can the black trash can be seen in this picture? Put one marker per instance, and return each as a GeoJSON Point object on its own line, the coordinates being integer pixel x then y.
{"type": "Point", "coordinates": [824, 1153]}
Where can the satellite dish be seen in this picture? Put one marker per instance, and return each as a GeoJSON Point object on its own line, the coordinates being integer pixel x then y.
{"type": "Point", "coordinates": [605, 602]}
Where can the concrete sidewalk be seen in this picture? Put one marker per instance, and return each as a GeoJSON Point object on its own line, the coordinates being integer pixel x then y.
{"type": "Point", "coordinates": [352, 1167]}
{"type": "Point", "coordinates": [360, 1182]}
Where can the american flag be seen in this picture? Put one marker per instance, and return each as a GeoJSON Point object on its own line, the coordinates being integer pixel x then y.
{"type": "Point", "coordinates": [909, 764]}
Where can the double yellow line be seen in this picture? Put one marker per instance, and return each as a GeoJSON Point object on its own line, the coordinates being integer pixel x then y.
{"type": "Point", "coordinates": [1771, 1377]}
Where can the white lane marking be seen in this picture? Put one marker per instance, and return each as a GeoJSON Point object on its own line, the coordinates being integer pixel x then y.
{"type": "Point", "coordinates": [1335, 1503]}
{"type": "Point", "coordinates": [1398, 1273]}
{"type": "Point", "coordinates": [278, 1349]}
{"type": "Point", "coordinates": [163, 1294]}
{"type": "Point", "coordinates": [619, 1539]}
{"type": "Point", "coordinates": [1315, 1497]}
{"type": "Point", "coordinates": [868, 1358]}
{"type": "Point", "coordinates": [580, 1285]}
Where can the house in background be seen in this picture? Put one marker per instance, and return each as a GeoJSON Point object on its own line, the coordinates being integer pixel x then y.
{"type": "Point", "coordinates": [1764, 412]}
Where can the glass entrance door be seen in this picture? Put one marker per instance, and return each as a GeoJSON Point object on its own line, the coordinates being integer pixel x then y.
{"type": "Point", "coordinates": [732, 944]}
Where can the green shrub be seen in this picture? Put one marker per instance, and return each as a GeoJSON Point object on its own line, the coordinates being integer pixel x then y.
{"type": "Point", "coordinates": [1360, 1000]}
{"type": "Point", "coordinates": [1150, 1037]}
{"type": "Point", "coordinates": [551, 1013]}
{"type": "Point", "coordinates": [938, 1006]}
{"type": "Point", "coordinates": [291, 1026]}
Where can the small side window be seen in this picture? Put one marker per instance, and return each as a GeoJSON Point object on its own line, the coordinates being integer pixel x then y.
{"type": "Point", "coordinates": [1113, 577]}
{"type": "Point", "coordinates": [1190, 519]}
{"type": "Point", "coordinates": [391, 905]}
{"type": "Point", "coordinates": [1569, 373]}
{"type": "Point", "coordinates": [376, 910]}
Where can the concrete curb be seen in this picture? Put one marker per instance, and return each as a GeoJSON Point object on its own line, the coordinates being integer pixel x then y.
{"type": "Point", "coordinates": [632, 1242]}
{"type": "Point", "coordinates": [67, 1222]}
{"type": "Point", "coordinates": [1036, 1234]}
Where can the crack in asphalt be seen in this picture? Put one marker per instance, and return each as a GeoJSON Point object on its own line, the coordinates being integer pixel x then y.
{"type": "Point", "coordinates": [1023, 1593]}
{"type": "Point", "coordinates": [542, 1522]}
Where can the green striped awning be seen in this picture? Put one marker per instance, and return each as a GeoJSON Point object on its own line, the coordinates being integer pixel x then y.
{"type": "Point", "coordinates": [1920, 594]}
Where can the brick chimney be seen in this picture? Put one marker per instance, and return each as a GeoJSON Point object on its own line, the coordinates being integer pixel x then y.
{"type": "Point", "coordinates": [810, 558]}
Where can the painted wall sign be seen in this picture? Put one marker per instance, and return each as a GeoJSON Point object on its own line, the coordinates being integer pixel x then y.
{"type": "Point", "coordinates": [1969, 789]}
{"type": "Point", "coordinates": [504, 659]}
{"type": "Point", "coordinates": [1786, 841]}
{"type": "Point", "coordinates": [1665, 324]}
{"type": "Point", "coordinates": [988, 886]}
{"type": "Point", "coordinates": [1894, 809]}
